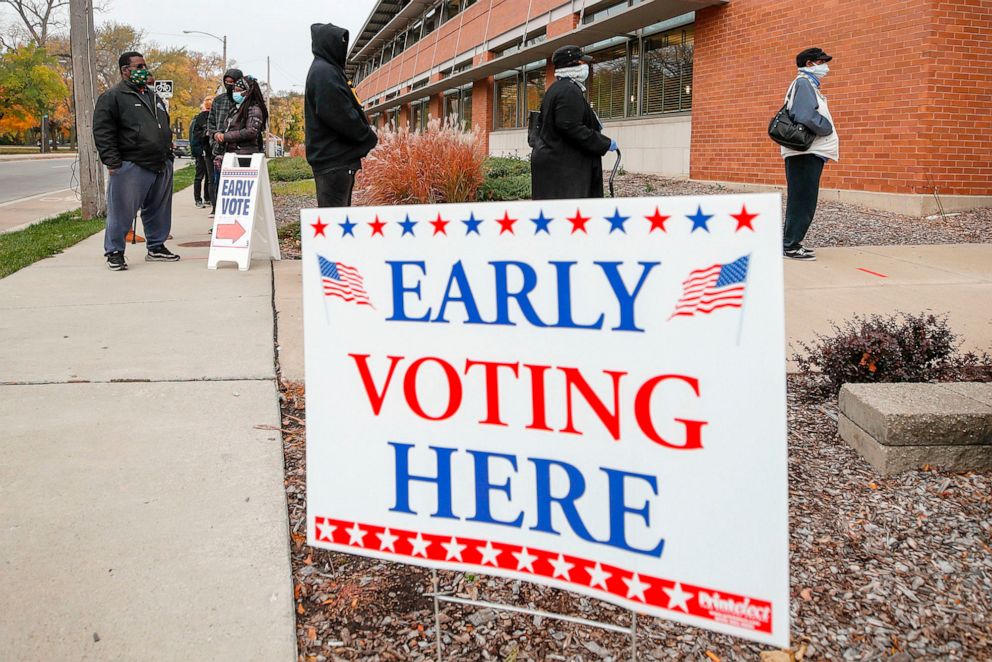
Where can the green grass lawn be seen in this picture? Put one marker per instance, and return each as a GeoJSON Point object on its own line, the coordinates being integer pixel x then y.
{"type": "Point", "coordinates": [30, 149]}
{"type": "Point", "coordinates": [44, 239]}
{"type": "Point", "coordinates": [54, 235]}
{"type": "Point", "coordinates": [299, 187]}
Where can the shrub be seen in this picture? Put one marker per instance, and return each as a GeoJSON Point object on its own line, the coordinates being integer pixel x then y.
{"type": "Point", "coordinates": [440, 164]}
{"type": "Point", "coordinates": [289, 169]}
{"type": "Point", "coordinates": [507, 178]}
{"type": "Point", "coordinates": [893, 348]}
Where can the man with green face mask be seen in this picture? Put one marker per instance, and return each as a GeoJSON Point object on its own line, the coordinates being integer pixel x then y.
{"type": "Point", "coordinates": [131, 130]}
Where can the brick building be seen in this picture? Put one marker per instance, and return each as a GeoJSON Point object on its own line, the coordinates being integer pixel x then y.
{"type": "Point", "coordinates": [687, 87]}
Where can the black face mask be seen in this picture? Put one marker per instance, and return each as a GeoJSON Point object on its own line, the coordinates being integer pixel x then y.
{"type": "Point", "coordinates": [229, 88]}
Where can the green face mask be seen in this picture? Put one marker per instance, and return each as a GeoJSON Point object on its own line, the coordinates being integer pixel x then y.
{"type": "Point", "coordinates": [140, 76]}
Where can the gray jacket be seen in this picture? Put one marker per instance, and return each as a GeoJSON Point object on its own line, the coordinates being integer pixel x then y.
{"type": "Point", "coordinates": [804, 105]}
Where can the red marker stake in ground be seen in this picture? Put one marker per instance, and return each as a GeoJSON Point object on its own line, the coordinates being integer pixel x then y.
{"type": "Point", "coordinates": [232, 231]}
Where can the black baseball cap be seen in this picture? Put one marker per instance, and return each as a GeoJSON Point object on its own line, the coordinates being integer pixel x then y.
{"type": "Point", "coordinates": [811, 54]}
{"type": "Point", "coordinates": [566, 55]}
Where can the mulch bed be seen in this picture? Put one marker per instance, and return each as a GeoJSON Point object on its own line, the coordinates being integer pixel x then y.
{"type": "Point", "coordinates": [835, 224]}
{"type": "Point", "coordinates": [897, 569]}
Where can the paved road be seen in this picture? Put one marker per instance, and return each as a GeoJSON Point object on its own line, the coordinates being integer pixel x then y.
{"type": "Point", "coordinates": [21, 179]}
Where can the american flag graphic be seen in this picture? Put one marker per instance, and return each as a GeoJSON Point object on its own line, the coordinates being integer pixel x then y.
{"type": "Point", "coordinates": [343, 282]}
{"type": "Point", "coordinates": [718, 286]}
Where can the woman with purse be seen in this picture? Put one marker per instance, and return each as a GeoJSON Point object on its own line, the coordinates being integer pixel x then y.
{"type": "Point", "coordinates": [246, 124]}
{"type": "Point", "coordinates": [808, 107]}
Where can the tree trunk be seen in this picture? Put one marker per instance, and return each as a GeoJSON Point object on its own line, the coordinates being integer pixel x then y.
{"type": "Point", "coordinates": [83, 42]}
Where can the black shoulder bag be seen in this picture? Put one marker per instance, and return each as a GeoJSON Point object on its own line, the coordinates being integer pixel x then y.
{"type": "Point", "coordinates": [786, 131]}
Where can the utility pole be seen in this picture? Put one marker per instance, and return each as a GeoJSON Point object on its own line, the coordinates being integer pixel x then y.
{"type": "Point", "coordinates": [82, 37]}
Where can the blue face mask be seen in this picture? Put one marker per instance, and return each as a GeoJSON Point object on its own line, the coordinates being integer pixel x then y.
{"type": "Point", "coordinates": [238, 98]}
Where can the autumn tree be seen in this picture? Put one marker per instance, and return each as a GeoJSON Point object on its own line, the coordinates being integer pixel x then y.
{"type": "Point", "coordinates": [29, 88]}
{"type": "Point", "coordinates": [286, 117]}
{"type": "Point", "coordinates": [112, 39]}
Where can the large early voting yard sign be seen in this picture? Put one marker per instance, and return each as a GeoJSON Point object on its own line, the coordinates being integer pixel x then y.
{"type": "Point", "coordinates": [587, 394]}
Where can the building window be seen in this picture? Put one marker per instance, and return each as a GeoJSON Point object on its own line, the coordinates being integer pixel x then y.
{"type": "Point", "coordinates": [419, 115]}
{"type": "Point", "coordinates": [431, 20]}
{"type": "Point", "coordinates": [507, 106]}
{"type": "Point", "coordinates": [400, 44]}
{"type": "Point", "coordinates": [535, 80]}
{"type": "Point", "coordinates": [467, 4]}
{"type": "Point", "coordinates": [607, 86]}
{"type": "Point", "coordinates": [608, 10]}
{"type": "Point", "coordinates": [458, 107]}
{"type": "Point", "coordinates": [413, 34]}
{"type": "Point", "coordinates": [667, 64]}
{"type": "Point", "coordinates": [451, 8]}
{"type": "Point", "coordinates": [393, 118]}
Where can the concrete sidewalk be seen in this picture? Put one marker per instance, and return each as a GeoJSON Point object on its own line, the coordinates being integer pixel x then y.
{"type": "Point", "coordinates": [141, 520]}
{"type": "Point", "coordinates": [953, 278]}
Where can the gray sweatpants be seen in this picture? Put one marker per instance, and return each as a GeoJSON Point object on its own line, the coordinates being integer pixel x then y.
{"type": "Point", "coordinates": [129, 189]}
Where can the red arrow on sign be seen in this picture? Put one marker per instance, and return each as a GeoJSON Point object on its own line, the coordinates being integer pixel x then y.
{"type": "Point", "coordinates": [232, 231]}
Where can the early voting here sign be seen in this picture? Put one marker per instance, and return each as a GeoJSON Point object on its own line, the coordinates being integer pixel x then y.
{"type": "Point", "coordinates": [587, 394]}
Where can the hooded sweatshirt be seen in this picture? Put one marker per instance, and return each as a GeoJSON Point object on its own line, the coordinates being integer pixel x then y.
{"type": "Point", "coordinates": [221, 111]}
{"type": "Point", "coordinates": [338, 134]}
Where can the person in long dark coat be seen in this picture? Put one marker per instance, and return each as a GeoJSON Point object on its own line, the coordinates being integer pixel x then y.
{"type": "Point", "coordinates": [567, 160]}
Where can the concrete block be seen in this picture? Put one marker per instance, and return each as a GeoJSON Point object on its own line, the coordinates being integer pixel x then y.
{"type": "Point", "coordinates": [889, 460]}
{"type": "Point", "coordinates": [979, 391]}
{"type": "Point", "coordinates": [916, 414]}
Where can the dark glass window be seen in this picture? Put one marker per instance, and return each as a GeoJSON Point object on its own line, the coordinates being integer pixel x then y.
{"type": "Point", "coordinates": [608, 81]}
{"type": "Point", "coordinates": [451, 9]}
{"type": "Point", "coordinates": [535, 88]}
{"type": "Point", "coordinates": [431, 20]}
{"type": "Point", "coordinates": [507, 102]}
{"type": "Point", "coordinates": [413, 34]}
{"type": "Point", "coordinates": [667, 64]}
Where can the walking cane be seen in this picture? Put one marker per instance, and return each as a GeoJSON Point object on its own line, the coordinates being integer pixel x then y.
{"type": "Point", "coordinates": [134, 226]}
{"type": "Point", "coordinates": [616, 167]}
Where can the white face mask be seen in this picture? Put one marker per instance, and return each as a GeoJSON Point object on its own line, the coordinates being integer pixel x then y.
{"type": "Point", "coordinates": [819, 70]}
{"type": "Point", "coordinates": [577, 72]}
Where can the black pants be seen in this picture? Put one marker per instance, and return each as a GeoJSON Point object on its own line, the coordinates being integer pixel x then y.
{"type": "Point", "coordinates": [802, 174]}
{"type": "Point", "coordinates": [214, 183]}
{"type": "Point", "coordinates": [202, 180]}
{"type": "Point", "coordinates": [334, 188]}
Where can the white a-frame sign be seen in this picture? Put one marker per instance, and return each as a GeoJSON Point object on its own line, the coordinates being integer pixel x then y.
{"type": "Point", "coordinates": [245, 222]}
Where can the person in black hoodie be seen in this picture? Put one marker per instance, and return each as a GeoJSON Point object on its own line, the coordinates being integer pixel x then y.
{"type": "Point", "coordinates": [338, 134]}
{"type": "Point", "coordinates": [132, 135]}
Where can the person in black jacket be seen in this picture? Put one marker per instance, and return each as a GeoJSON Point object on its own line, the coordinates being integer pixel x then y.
{"type": "Point", "coordinates": [338, 134]}
{"type": "Point", "coordinates": [199, 144]}
{"type": "Point", "coordinates": [132, 135]}
{"type": "Point", "coordinates": [567, 158]}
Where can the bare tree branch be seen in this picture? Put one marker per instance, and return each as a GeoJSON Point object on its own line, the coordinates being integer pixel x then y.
{"type": "Point", "coordinates": [39, 17]}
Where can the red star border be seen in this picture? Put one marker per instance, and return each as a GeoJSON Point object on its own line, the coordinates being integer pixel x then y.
{"type": "Point", "coordinates": [318, 228]}
{"type": "Point", "coordinates": [744, 219]}
{"type": "Point", "coordinates": [747, 613]}
{"type": "Point", "coordinates": [377, 227]}
{"type": "Point", "coordinates": [506, 223]}
{"type": "Point", "coordinates": [439, 225]}
{"type": "Point", "coordinates": [657, 220]}
{"type": "Point", "coordinates": [579, 222]}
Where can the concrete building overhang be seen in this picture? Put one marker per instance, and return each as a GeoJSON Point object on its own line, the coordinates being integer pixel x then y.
{"type": "Point", "coordinates": [623, 23]}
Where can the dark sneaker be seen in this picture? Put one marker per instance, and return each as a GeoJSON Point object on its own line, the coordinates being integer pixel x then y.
{"type": "Point", "coordinates": [800, 254]}
{"type": "Point", "coordinates": [161, 254]}
{"type": "Point", "coordinates": [116, 262]}
{"type": "Point", "coordinates": [199, 204]}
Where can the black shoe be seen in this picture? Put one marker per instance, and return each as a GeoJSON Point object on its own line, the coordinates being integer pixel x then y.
{"type": "Point", "coordinates": [800, 254]}
{"type": "Point", "coordinates": [161, 254]}
{"type": "Point", "coordinates": [199, 204]}
{"type": "Point", "coordinates": [116, 262]}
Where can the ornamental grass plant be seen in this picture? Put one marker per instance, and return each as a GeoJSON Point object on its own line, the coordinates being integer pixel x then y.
{"type": "Point", "coordinates": [442, 163]}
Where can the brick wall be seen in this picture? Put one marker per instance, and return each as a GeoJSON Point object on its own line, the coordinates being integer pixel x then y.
{"type": "Point", "coordinates": [908, 89]}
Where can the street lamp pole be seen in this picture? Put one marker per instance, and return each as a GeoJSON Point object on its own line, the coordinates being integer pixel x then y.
{"type": "Point", "coordinates": [222, 40]}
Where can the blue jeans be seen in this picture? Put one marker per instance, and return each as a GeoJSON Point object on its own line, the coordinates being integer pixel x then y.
{"type": "Point", "coordinates": [131, 188]}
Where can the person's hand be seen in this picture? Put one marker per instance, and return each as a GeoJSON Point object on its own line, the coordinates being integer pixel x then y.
{"type": "Point", "coordinates": [613, 145]}
{"type": "Point", "coordinates": [219, 137]}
